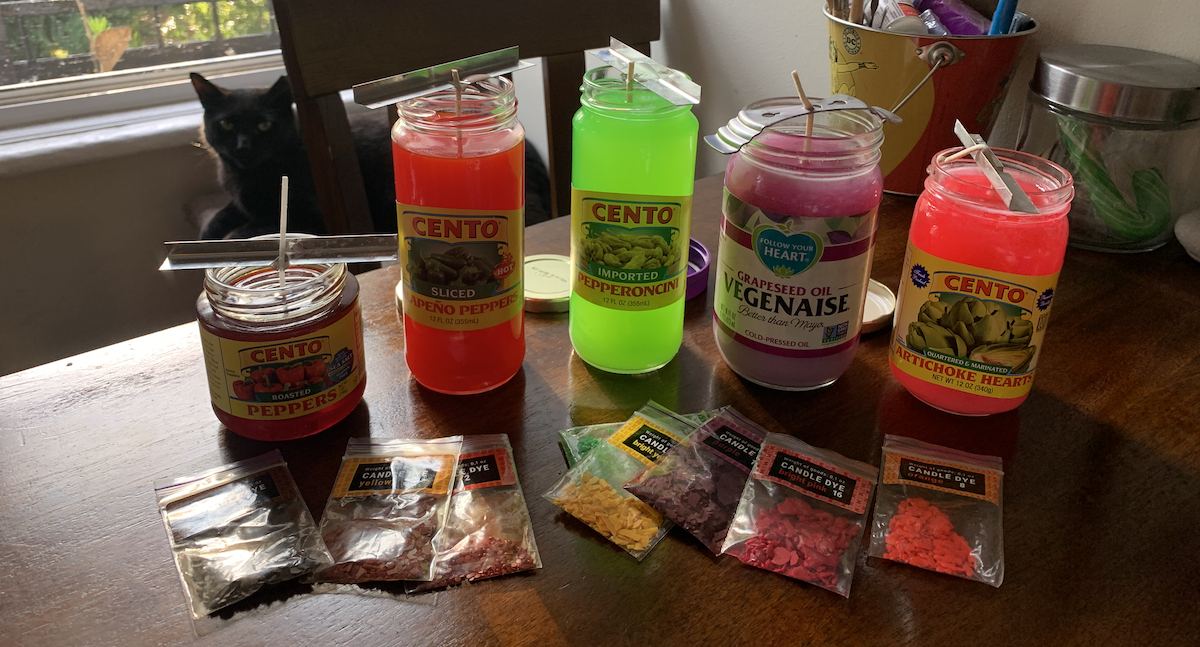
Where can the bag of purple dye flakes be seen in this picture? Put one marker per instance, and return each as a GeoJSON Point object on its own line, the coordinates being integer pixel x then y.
{"type": "Point", "coordinates": [699, 482]}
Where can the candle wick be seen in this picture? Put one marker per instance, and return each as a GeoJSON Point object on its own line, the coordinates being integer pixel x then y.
{"type": "Point", "coordinates": [458, 92]}
{"type": "Point", "coordinates": [629, 83]}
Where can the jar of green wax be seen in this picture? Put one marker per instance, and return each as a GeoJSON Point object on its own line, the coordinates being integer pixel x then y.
{"type": "Point", "coordinates": [633, 169]}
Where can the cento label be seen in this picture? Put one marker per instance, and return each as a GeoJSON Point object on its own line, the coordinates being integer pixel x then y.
{"type": "Point", "coordinates": [970, 329]}
{"type": "Point", "coordinates": [630, 251]}
{"type": "Point", "coordinates": [285, 378]}
{"type": "Point", "coordinates": [792, 286]}
{"type": "Point", "coordinates": [462, 268]}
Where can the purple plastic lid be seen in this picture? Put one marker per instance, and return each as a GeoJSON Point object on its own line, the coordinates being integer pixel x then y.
{"type": "Point", "coordinates": [697, 272]}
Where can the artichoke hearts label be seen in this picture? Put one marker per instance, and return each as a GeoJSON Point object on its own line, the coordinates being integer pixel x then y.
{"type": "Point", "coordinates": [970, 329]}
{"type": "Point", "coordinates": [394, 475]}
{"type": "Point", "coordinates": [630, 251]}
{"type": "Point", "coordinates": [461, 268]}
{"type": "Point", "coordinates": [792, 286]}
{"type": "Point", "coordinates": [942, 475]}
{"type": "Point", "coordinates": [285, 378]}
{"type": "Point", "coordinates": [643, 440]}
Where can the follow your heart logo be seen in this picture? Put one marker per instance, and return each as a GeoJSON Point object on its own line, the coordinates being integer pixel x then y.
{"type": "Point", "coordinates": [784, 253]}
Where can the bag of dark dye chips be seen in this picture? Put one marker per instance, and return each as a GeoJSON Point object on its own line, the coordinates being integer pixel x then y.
{"type": "Point", "coordinates": [236, 529]}
{"type": "Point", "coordinates": [488, 532]}
{"type": "Point", "coordinates": [802, 513]}
{"type": "Point", "coordinates": [698, 483]}
{"type": "Point", "coordinates": [940, 509]}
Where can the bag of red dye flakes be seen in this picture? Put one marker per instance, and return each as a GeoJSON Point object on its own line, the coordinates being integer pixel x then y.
{"type": "Point", "coordinates": [940, 509]}
{"type": "Point", "coordinates": [488, 532]}
{"type": "Point", "coordinates": [802, 513]}
{"type": "Point", "coordinates": [698, 483]}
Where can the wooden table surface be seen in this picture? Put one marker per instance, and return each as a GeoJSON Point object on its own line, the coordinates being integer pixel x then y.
{"type": "Point", "coordinates": [1102, 486]}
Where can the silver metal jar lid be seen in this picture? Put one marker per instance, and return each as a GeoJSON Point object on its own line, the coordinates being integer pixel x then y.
{"type": "Point", "coordinates": [547, 283]}
{"type": "Point", "coordinates": [1119, 82]}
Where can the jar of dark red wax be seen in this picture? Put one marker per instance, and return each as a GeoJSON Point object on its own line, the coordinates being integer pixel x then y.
{"type": "Point", "coordinates": [284, 361]}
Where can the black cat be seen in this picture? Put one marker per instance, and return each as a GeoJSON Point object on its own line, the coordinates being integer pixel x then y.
{"type": "Point", "coordinates": [255, 137]}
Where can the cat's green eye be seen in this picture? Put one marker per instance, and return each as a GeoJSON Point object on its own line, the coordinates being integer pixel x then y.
{"type": "Point", "coordinates": [264, 126]}
{"type": "Point", "coordinates": [226, 125]}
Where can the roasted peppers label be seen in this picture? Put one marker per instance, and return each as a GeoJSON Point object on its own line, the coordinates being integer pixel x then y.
{"type": "Point", "coordinates": [814, 478]}
{"type": "Point", "coordinates": [643, 440]}
{"type": "Point", "coordinates": [394, 475]}
{"type": "Point", "coordinates": [792, 286]}
{"type": "Point", "coordinates": [942, 475]}
{"type": "Point", "coordinates": [462, 268]}
{"type": "Point", "coordinates": [970, 329]}
{"type": "Point", "coordinates": [630, 251]}
{"type": "Point", "coordinates": [285, 378]}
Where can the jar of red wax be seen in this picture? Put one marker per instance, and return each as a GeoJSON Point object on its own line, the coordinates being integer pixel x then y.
{"type": "Point", "coordinates": [978, 283]}
{"type": "Point", "coordinates": [284, 361]}
{"type": "Point", "coordinates": [797, 232]}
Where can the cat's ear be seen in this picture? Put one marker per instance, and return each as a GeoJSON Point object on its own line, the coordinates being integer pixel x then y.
{"type": "Point", "coordinates": [280, 94]}
{"type": "Point", "coordinates": [210, 95]}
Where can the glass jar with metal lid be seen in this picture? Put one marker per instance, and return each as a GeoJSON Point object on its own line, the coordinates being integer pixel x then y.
{"type": "Point", "coordinates": [1126, 123]}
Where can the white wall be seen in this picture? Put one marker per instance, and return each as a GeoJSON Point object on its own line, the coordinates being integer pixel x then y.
{"type": "Point", "coordinates": [743, 51]}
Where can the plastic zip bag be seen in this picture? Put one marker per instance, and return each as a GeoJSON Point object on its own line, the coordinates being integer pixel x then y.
{"type": "Point", "coordinates": [803, 513]}
{"type": "Point", "coordinates": [488, 532]}
{"type": "Point", "coordinates": [592, 490]}
{"type": "Point", "coordinates": [698, 484]}
{"type": "Point", "coordinates": [940, 509]}
{"type": "Point", "coordinates": [236, 529]}
{"type": "Point", "coordinates": [578, 441]}
{"type": "Point", "coordinates": [386, 509]}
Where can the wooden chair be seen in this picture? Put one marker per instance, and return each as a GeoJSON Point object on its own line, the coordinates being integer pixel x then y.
{"type": "Point", "coordinates": [331, 46]}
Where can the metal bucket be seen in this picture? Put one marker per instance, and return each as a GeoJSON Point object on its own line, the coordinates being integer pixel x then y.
{"type": "Point", "coordinates": [932, 79]}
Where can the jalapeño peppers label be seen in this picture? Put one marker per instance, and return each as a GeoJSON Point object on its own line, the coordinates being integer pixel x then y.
{"type": "Point", "coordinates": [643, 440]}
{"type": "Point", "coordinates": [970, 329]}
{"type": "Point", "coordinates": [285, 378]}
{"type": "Point", "coordinates": [630, 251]}
{"type": "Point", "coordinates": [792, 286]}
{"type": "Point", "coordinates": [462, 268]}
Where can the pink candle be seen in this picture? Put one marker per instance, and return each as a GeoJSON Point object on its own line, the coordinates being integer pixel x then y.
{"type": "Point", "coordinates": [797, 232]}
{"type": "Point", "coordinates": [978, 283]}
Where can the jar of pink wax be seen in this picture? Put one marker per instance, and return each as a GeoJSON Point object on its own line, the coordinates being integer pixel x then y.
{"type": "Point", "coordinates": [797, 232]}
{"type": "Point", "coordinates": [978, 283]}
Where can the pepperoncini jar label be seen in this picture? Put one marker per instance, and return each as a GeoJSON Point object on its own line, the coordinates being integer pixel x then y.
{"type": "Point", "coordinates": [286, 378]}
{"type": "Point", "coordinates": [394, 475]}
{"type": "Point", "coordinates": [462, 268]}
{"type": "Point", "coordinates": [792, 286]}
{"type": "Point", "coordinates": [967, 328]}
{"type": "Point", "coordinates": [630, 251]}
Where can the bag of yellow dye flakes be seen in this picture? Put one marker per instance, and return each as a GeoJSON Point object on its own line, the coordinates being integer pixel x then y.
{"type": "Point", "coordinates": [592, 491]}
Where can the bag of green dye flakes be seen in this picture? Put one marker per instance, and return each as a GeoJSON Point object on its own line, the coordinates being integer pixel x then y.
{"type": "Point", "coordinates": [576, 442]}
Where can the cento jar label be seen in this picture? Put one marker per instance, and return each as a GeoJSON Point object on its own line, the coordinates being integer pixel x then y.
{"type": "Point", "coordinates": [462, 268]}
{"type": "Point", "coordinates": [967, 328]}
{"type": "Point", "coordinates": [286, 378]}
{"type": "Point", "coordinates": [792, 286]}
{"type": "Point", "coordinates": [630, 251]}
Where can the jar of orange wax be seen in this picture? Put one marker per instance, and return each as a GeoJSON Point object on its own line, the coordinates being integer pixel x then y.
{"type": "Point", "coordinates": [978, 284]}
{"type": "Point", "coordinates": [284, 361]}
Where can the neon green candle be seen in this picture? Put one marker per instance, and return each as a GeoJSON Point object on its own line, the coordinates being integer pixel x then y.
{"type": "Point", "coordinates": [633, 167]}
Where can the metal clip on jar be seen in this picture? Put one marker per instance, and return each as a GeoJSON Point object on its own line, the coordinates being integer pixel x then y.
{"type": "Point", "coordinates": [286, 361]}
{"type": "Point", "coordinates": [797, 233]}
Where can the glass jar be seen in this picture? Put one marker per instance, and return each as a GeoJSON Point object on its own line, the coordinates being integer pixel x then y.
{"type": "Point", "coordinates": [978, 284]}
{"type": "Point", "coordinates": [286, 361]}
{"type": "Point", "coordinates": [797, 233]}
{"type": "Point", "coordinates": [1126, 123]}
{"type": "Point", "coordinates": [633, 168]}
{"type": "Point", "coordinates": [460, 193]}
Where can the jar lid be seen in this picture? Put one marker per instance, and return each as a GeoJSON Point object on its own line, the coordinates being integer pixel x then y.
{"type": "Point", "coordinates": [697, 269]}
{"type": "Point", "coordinates": [1119, 82]}
{"type": "Point", "coordinates": [877, 312]}
{"type": "Point", "coordinates": [547, 283]}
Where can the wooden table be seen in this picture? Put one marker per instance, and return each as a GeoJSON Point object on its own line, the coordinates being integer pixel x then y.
{"type": "Point", "coordinates": [1102, 492]}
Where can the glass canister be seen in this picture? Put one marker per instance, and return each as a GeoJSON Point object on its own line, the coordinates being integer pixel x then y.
{"type": "Point", "coordinates": [633, 170]}
{"type": "Point", "coordinates": [286, 361]}
{"type": "Point", "coordinates": [978, 284]}
{"type": "Point", "coordinates": [459, 163]}
{"type": "Point", "coordinates": [797, 233]}
{"type": "Point", "coordinates": [1126, 123]}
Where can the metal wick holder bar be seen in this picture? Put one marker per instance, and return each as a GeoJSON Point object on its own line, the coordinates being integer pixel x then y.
{"type": "Point", "coordinates": [1004, 183]}
{"type": "Point", "coordinates": [262, 252]}
{"type": "Point", "coordinates": [410, 85]}
{"type": "Point", "coordinates": [667, 83]}
{"type": "Point", "coordinates": [748, 124]}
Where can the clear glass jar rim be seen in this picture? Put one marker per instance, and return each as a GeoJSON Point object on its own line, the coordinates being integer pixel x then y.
{"type": "Point", "coordinates": [1005, 155]}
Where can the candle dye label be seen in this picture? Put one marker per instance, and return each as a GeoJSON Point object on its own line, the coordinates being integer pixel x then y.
{"type": "Point", "coordinates": [643, 440]}
{"type": "Point", "coordinates": [484, 469]}
{"type": "Point", "coordinates": [224, 504]}
{"type": "Point", "coordinates": [286, 378]}
{"type": "Point", "coordinates": [813, 477]}
{"type": "Point", "coordinates": [791, 286]}
{"type": "Point", "coordinates": [942, 475]}
{"type": "Point", "coordinates": [970, 329]}
{"type": "Point", "coordinates": [393, 475]}
{"type": "Point", "coordinates": [630, 251]}
{"type": "Point", "coordinates": [462, 268]}
{"type": "Point", "coordinates": [736, 448]}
